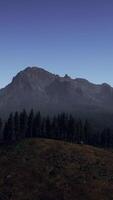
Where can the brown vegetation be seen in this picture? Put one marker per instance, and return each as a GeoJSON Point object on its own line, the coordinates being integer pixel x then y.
{"type": "Point", "coordinates": [41, 169]}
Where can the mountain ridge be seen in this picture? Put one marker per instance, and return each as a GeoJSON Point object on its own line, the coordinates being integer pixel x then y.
{"type": "Point", "coordinates": [66, 76]}
{"type": "Point", "coordinates": [41, 90]}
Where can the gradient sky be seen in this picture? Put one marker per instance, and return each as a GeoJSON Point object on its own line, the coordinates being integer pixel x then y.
{"type": "Point", "coordinates": [62, 36]}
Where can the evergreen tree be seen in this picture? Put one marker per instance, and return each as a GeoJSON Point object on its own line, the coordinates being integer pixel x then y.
{"type": "Point", "coordinates": [1, 124]}
{"type": "Point", "coordinates": [61, 123]}
{"type": "Point", "coordinates": [5, 132]}
{"type": "Point", "coordinates": [8, 133]}
{"type": "Point", "coordinates": [71, 128]}
{"type": "Point", "coordinates": [54, 128]}
{"type": "Point", "coordinates": [11, 127]}
{"type": "Point", "coordinates": [17, 126]}
{"type": "Point", "coordinates": [106, 138]}
{"type": "Point", "coordinates": [37, 125]}
{"type": "Point", "coordinates": [43, 127]}
{"type": "Point", "coordinates": [87, 132]}
{"type": "Point", "coordinates": [23, 123]}
{"type": "Point", "coordinates": [48, 127]}
{"type": "Point", "coordinates": [29, 132]}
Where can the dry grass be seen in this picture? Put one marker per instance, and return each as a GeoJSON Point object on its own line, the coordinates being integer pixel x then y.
{"type": "Point", "coordinates": [41, 169]}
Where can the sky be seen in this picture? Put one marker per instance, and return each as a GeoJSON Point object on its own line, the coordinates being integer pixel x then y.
{"type": "Point", "coordinates": [73, 37]}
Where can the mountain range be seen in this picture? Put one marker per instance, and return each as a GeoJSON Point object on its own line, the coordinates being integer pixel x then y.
{"type": "Point", "coordinates": [41, 90]}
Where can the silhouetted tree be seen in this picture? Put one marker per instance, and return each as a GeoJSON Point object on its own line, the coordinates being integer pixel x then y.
{"type": "Point", "coordinates": [29, 132]}
{"type": "Point", "coordinates": [43, 127]}
{"type": "Point", "coordinates": [23, 123]}
{"type": "Point", "coordinates": [48, 127]}
{"type": "Point", "coordinates": [87, 132]}
{"type": "Point", "coordinates": [54, 128]}
{"type": "Point", "coordinates": [8, 133]}
{"type": "Point", "coordinates": [1, 125]}
{"type": "Point", "coordinates": [71, 128]}
{"type": "Point", "coordinates": [5, 132]}
{"type": "Point", "coordinates": [17, 135]}
{"type": "Point", "coordinates": [106, 138]}
{"type": "Point", "coordinates": [79, 136]}
{"type": "Point", "coordinates": [37, 125]}
{"type": "Point", "coordinates": [61, 126]}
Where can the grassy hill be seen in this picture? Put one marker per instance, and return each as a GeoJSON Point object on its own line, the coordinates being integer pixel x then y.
{"type": "Point", "coordinates": [41, 169]}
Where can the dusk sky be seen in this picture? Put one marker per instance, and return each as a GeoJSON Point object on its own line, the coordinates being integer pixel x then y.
{"type": "Point", "coordinates": [72, 37]}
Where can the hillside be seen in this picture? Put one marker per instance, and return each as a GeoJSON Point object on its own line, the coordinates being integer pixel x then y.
{"type": "Point", "coordinates": [44, 169]}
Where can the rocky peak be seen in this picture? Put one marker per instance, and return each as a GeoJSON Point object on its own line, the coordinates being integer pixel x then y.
{"type": "Point", "coordinates": [33, 76]}
{"type": "Point", "coordinates": [35, 69]}
{"type": "Point", "coordinates": [35, 87]}
{"type": "Point", "coordinates": [106, 88]}
{"type": "Point", "coordinates": [66, 76]}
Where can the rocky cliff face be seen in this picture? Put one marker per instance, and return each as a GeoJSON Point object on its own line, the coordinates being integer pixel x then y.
{"type": "Point", "coordinates": [39, 89]}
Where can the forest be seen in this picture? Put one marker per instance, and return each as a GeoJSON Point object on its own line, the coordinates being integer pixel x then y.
{"type": "Point", "coordinates": [62, 126]}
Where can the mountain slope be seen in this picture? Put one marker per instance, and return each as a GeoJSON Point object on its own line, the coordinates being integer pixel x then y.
{"type": "Point", "coordinates": [39, 89]}
{"type": "Point", "coordinates": [48, 169]}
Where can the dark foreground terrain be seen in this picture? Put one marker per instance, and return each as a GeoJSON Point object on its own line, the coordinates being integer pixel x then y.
{"type": "Point", "coordinates": [41, 169]}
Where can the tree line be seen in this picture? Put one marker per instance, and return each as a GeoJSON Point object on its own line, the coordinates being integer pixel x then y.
{"type": "Point", "coordinates": [62, 126]}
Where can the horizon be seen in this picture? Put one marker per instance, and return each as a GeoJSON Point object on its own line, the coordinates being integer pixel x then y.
{"type": "Point", "coordinates": [65, 37]}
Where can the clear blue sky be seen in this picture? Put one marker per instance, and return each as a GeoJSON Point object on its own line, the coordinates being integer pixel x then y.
{"type": "Point", "coordinates": [62, 36]}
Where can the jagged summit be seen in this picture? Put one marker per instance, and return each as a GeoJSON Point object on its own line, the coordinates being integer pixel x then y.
{"type": "Point", "coordinates": [39, 72]}
{"type": "Point", "coordinates": [67, 76]}
{"type": "Point", "coordinates": [33, 71]}
{"type": "Point", "coordinates": [32, 75]}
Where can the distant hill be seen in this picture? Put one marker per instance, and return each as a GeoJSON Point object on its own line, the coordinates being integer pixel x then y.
{"type": "Point", "coordinates": [44, 169]}
{"type": "Point", "coordinates": [41, 90]}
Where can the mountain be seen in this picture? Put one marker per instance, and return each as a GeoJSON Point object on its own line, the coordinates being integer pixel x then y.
{"type": "Point", "coordinates": [53, 170]}
{"type": "Point", "coordinates": [41, 90]}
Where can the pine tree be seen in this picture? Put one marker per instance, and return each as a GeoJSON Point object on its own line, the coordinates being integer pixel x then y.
{"type": "Point", "coordinates": [63, 125]}
{"type": "Point", "coordinates": [23, 123]}
{"type": "Point", "coordinates": [61, 121]}
{"type": "Point", "coordinates": [71, 128]}
{"type": "Point", "coordinates": [5, 132]}
{"type": "Point", "coordinates": [29, 132]}
{"type": "Point", "coordinates": [48, 127]}
{"type": "Point", "coordinates": [8, 133]}
{"type": "Point", "coordinates": [1, 124]}
{"type": "Point", "coordinates": [11, 127]}
{"type": "Point", "coordinates": [79, 136]}
{"type": "Point", "coordinates": [43, 127]}
{"type": "Point", "coordinates": [106, 138]}
{"type": "Point", "coordinates": [54, 128]}
{"type": "Point", "coordinates": [16, 126]}
{"type": "Point", "coordinates": [87, 132]}
{"type": "Point", "coordinates": [37, 123]}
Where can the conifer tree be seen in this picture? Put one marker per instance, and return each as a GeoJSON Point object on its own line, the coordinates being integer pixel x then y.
{"type": "Point", "coordinates": [11, 127]}
{"type": "Point", "coordinates": [87, 132]}
{"type": "Point", "coordinates": [37, 123]}
{"type": "Point", "coordinates": [43, 127]}
{"type": "Point", "coordinates": [71, 128]}
{"type": "Point", "coordinates": [17, 126]}
{"type": "Point", "coordinates": [8, 133]}
{"type": "Point", "coordinates": [5, 132]}
{"type": "Point", "coordinates": [1, 125]}
{"type": "Point", "coordinates": [29, 132]}
{"type": "Point", "coordinates": [79, 136]}
{"type": "Point", "coordinates": [23, 123]}
{"type": "Point", "coordinates": [48, 127]}
{"type": "Point", "coordinates": [54, 127]}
